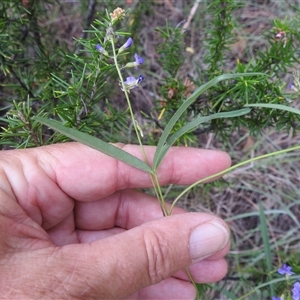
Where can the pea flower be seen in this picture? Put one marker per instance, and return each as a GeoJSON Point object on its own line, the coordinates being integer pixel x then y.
{"type": "Point", "coordinates": [296, 291]}
{"type": "Point", "coordinates": [138, 61]}
{"type": "Point", "coordinates": [126, 45]}
{"type": "Point", "coordinates": [292, 87]}
{"type": "Point", "coordinates": [285, 270]}
{"type": "Point", "coordinates": [100, 49]}
{"type": "Point", "coordinates": [131, 82]}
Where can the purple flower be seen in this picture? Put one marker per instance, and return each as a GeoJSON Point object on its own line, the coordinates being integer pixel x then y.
{"type": "Point", "coordinates": [138, 61]}
{"type": "Point", "coordinates": [131, 82]}
{"type": "Point", "coordinates": [140, 79]}
{"type": "Point", "coordinates": [296, 291]}
{"type": "Point", "coordinates": [101, 49]}
{"type": "Point", "coordinates": [276, 298]}
{"type": "Point", "coordinates": [285, 270]}
{"type": "Point", "coordinates": [293, 87]}
{"type": "Point", "coordinates": [126, 45]}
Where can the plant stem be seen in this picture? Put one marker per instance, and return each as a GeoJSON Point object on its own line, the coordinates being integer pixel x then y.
{"type": "Point", "coordinates": [153, 176]}
{"type": "Point", "coordinates": [231, 169]}
{"type": "Point", "coordinates": [127, 99]}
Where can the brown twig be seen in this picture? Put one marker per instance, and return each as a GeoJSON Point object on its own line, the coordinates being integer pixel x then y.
{"type": "Point", "coordinates": [191, 15]}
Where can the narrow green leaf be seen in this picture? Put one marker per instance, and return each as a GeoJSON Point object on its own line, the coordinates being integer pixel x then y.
{"type": "Point", "coordinates": [266, 242]}
{"type": "Point", "coordinates": [274, 106]}
{"type": "Point", "coordinates": [61, 82]}
{"type": "Point", "coordinates": [189, 126]}
{"type": "Point", "coordinates": [265, 236]}
{"type": "Point", "coordinates": [185, 105]}
{"type": "Point", "coordinates": [198, 120]}
{"type": "Point", "coordinates": [96, 143]}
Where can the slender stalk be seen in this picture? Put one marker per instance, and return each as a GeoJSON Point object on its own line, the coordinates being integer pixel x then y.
{"type": "Point", "coordinates": [231, 169]}
{"type": "Point", "coordinates": [159, 195]}
{"type": "Point", "coordinates": [127, 99]}
{"type": "Point", "coordinates": [153, 176]}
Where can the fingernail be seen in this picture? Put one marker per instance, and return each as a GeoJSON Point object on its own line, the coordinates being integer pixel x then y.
{"type": "Point", "coordinates": [207, 239]}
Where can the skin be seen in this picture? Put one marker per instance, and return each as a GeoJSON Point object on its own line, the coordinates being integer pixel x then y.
{"type": "Point", "coordinates": [73, 225]}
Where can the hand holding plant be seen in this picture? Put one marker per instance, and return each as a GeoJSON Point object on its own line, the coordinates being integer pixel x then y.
{"type": "Point", "coordinates": [169, 136]}
{"type": "Point", "coordinates": [71, 91]}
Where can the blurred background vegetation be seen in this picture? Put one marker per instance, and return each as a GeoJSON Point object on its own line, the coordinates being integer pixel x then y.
{"type": "Point", "coordinates": [49, 67]}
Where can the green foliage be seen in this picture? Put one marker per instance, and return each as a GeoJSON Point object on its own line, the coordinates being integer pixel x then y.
{"type": "Point", "coordinates": [174, 90]}
{"type": "Point", "coordinates": [76, 85]}
{"type": "Point", "coordinates": [219, 35]}
{"type": "Point", "coordinates": [49, 78]}
{"type": "Point", "coordinates": [272, 61]}
{"type": "Point", "coordinates": [23, 131]}
{"type": "Point", "coordinates": [171, 49]}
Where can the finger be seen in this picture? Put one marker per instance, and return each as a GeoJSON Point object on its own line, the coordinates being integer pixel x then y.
{"type": "Point", "coordinates": [113, 214]}
{"type": "Point", "coordinates": [45, 180]}
{"type": "Point", "coordinates": [28, 179]}
{"type": "Point", "coordinates": [169, 288]}
{"type": "Point", "coordinates": [87, 175]}
{"type": "Point", "coordinates": [96, 220]}
{"type": "Point", "coordinates": [125, 209]}
{"type": "Point", "coordinates": [85, 236]}
{"type": "Point", "coordinates": [210, 275]}
{"type": "Point", "coordinates": [144, 255]}
{"type": "Point", "coordinates": [210, 265]}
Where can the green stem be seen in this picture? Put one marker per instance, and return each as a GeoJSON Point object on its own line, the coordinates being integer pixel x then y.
{"type": "Point", "coordinates": [188, 273]}
{"type": "Point", "coordinates": [128, 100]}
{"type": "Point", "coordinates": [159, 195]}
{"type": "Point", "coordinates": [153, 176]}
{"type": "Point", "coordinates": [231, 169]}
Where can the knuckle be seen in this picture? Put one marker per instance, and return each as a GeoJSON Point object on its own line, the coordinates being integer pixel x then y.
{"type": "Point", "coordinates": [158, 255]}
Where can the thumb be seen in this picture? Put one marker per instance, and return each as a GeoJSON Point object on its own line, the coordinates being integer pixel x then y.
{"type": "Point", "coordinates": [120, 265]}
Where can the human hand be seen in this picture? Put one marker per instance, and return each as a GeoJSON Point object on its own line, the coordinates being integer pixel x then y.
{"type": "Point", "coordinates": [73, 226]}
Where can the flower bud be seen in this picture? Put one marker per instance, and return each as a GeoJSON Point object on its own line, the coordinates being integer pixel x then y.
{"type": "Point", "coordinates": [126, 45]}
{"type": "Point", "coordinates": [100, 49]}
